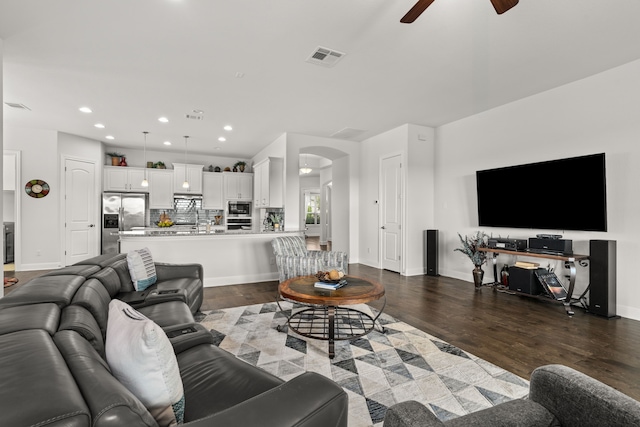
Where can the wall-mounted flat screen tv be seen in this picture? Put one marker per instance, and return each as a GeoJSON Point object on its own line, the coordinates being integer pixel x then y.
{"type": "Point", "coordinates": [564, 194]}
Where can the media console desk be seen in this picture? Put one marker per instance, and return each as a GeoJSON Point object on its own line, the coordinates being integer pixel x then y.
{"type": "Point", "coordinates": [569, 263]}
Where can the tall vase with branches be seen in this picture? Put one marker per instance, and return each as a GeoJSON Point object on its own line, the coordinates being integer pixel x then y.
{"type": "Point", "coordinates": [470, 247]}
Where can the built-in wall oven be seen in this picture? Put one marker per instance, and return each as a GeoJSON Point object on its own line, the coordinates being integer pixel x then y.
{"type": "Point", "coordinates": [239, 216]}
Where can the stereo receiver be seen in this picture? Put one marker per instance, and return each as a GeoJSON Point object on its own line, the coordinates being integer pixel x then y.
{"type": "Point", "coordinates": [508, 244]}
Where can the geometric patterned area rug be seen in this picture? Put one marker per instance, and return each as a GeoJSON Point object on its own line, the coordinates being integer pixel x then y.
{"type": "Point", "coordinates": [376, 370]}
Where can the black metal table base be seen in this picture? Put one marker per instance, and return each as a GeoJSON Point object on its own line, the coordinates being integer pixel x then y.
{"type": "Point", "coordinates": [331, 324]}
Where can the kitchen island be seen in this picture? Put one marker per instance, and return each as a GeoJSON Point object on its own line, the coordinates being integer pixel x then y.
{"type": "Point", "coordinates": [227, 257]}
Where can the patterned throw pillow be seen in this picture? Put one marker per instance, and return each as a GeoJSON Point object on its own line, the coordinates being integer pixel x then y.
{"type": "Point", "coordinates": [141, 268]}
{"type": "Point", "coordinates": [141, 357]}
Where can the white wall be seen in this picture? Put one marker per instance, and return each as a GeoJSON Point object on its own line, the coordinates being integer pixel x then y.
{"type": "Point", "coordinates": [40, 220]}
{"type": "Point", "coordinates": [2, 147]}
{"type": "Point", "coordinates": [597, 114]}
{"type": "Point", "coordinates": [416, 146]}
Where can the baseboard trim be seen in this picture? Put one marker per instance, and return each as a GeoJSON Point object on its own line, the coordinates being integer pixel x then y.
{"type": "Point", "coordinates": [42, 266]}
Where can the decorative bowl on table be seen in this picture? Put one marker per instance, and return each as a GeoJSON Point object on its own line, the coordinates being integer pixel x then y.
{"type": "Point", "coordinates": [330, 276]}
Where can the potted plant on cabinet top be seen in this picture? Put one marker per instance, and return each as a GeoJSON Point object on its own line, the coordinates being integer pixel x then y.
{"type": "Point", "coordinates": [115, 158]}
{"type": "Point", "coordinates": [470, 247]}
{"type": "Point", "coordinates": [240, 165]}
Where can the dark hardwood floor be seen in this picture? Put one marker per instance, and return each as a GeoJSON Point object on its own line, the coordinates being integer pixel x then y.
{"type": "Point", "coordinates": [516, 333]}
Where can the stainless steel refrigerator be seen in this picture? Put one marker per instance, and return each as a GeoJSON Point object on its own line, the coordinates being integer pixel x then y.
{"type": "Point", "coordinates": [121, 212]}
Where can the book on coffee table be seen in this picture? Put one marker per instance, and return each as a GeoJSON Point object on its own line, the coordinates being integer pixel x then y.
{"type": "Point", "coordinates": [331, 285]}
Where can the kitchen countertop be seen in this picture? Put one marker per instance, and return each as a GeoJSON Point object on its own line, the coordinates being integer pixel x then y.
{"type": "Point", "coordinates": [190, 231]}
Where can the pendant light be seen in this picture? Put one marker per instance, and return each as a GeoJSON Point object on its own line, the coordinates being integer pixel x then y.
{"type": "Point", "coordinates": [305, 169]}
{"type": "Point", "coordinates": [145, 182]}
{"type": "Point", "coordinates": [185, 184]}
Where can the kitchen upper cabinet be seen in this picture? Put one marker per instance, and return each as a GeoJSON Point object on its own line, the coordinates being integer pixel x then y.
{"type": "Point", "coordinates": [238, 185]}
{"type": "Point", "coordinates": [268, 185]}
{"type": "Point", "coordinates": [193, 174]}
{"type": "Point", "coordinates": [212, 190]}
{"type": "Point", "coordinates": [123, 178]}
{"type": "Point", "coordinates": [160, 188]}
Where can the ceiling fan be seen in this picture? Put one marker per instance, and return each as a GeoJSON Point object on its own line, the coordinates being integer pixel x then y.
{"type": "Point", "coordinates": [501, 6]}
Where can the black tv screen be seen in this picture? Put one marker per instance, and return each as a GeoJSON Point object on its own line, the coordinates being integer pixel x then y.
{"type": "Point", "coordinates": [565, 194]}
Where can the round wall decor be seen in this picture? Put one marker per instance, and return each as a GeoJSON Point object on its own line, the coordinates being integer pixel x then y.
{"type": "Point", "coordinates": [37, 188]}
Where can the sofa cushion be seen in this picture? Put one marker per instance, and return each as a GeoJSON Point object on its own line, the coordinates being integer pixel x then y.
{"type": "Point", "coordinates": [168, 313]}
{"type": "Point", "coordinates": [55, 289]}
{"type": "Point", "coordinates": [37, 316]}
{"type": "Point", "coordinates": [95, 298]}
{"type": "Point", "coordinates": [141, 357]}
{"type": "Point", "coordinates": [110, 402]}
{"type": "Point", "coordinates": [35, 378]}
{"type": "Point", "coordinates": [514, 413]}
{"type": "Point", "coordinates": [102, 260]}
{"type": "Point", "coordinates": [75, 270]}
{"type": "Point", "coordinates": [192, 287]}
{"type": "Point", "coordinates": [209, 373]}
{"type": "Point", "coordinates": [109, 279]}
{"type": "Point", "coordinates": [121, 267]}
{"type": "Point", "coordinates": [141, 268]}
{"type": "Point", "coordinates": [79, 319]}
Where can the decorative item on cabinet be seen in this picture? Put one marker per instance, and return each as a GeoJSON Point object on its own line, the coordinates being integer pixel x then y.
{"type": "Point", "coordinates": [115, 158]}
{"type": "Point", "coordinates": [123, 161]}
{"type": "Point", "coordinates": [159, 165]}
{"type": "Point", "coordinates": [217, 169]}
{"type": "Point", "coordinates": [210, 168]}
{"type": "Point", "coordinates": [240, 165]}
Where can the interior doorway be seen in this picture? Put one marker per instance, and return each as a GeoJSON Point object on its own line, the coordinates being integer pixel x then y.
{"type": "Point", "coordinates": [11, 210]}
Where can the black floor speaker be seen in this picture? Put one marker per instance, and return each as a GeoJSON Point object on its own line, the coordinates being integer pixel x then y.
{"type": "Point", "coordinates": [431, 252]}
{"type": "Point", "coordinates": [602, 277]}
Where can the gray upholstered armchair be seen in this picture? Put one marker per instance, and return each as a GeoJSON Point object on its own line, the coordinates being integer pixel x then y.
{"type": "Point", "coordinates": [293, 259]}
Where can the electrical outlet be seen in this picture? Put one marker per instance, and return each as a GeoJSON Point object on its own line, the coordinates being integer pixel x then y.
{"type": "Point", "coordinates": [38, 252]}
{"type": "Point", "coordinates": [368, 250]}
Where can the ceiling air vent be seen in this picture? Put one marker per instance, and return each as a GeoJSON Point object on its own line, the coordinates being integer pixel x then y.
{"type": "Point", "coordinates": [17, 105]}
{"type": "Point", "coordinates": [194, 116]}
{"type": "Point", "coordinates": [325, 56]}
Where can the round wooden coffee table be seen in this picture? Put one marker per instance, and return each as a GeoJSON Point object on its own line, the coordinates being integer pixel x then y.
{"type": "Point", "coordinates": [325, 319]}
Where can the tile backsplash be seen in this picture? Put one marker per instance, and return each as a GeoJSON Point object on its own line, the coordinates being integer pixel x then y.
{"type": "Point", "coordinates": [186, 211]}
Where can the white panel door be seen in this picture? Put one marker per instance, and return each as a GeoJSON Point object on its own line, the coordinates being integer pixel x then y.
{"type": "Point", "coordinates": [81, 232]}
{"type": "Point", "coordinates": [391, 213]}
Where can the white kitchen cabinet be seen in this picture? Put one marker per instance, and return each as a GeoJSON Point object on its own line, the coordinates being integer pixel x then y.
{"type": "Point", "coordinates": [193, 174]}
{"type": "Point", "coordinates": [212, 190]}
{"type": "Point", "coordinates": [123, 178]}
{"type": "Point", "coordinates": [268, 186]}
{"type": "Point", "coordinates": [238, 185]}
{"type": "Point", "coordinates": [160, 188]}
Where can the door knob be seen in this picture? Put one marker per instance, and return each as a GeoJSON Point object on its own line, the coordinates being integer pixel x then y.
{"type": "Point", "coordinates": [383, 227]}
{"type": "Point", "coordinates": [91, 225]}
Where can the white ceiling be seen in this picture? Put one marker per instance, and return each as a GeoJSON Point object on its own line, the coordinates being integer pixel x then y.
{"type": "Point", "coordinates": [133, 61]}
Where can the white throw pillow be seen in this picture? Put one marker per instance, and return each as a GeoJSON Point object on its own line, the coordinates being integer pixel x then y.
{"type": "Point", "coordinates": [141, 357]}
{"type": "Point", "coordinates": [141, 268]}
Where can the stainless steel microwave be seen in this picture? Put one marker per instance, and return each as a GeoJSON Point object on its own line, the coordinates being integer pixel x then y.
{"type": "Point", "coordinates": [239, 209]}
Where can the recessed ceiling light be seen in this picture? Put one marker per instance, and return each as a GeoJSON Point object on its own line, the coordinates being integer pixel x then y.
{"type": "Point", "coordinates": [163, 120]}
{"type": "Point", "coordinates": [239, 75]}
{"type": "Point", "coordinates": [222, 139]}
{"type": "Point", "coordinates": [216, 148]}
{"type": "Point", "coordinates": [109, 137]}
{"type": "Point", "coordinates": [228, 128]}
{"type": "Point", "coordinates": [85, 109]}
{"type": "Point", "coordinates": [167, 143]}
{"type": "Point", "coordinates": [99, 125]}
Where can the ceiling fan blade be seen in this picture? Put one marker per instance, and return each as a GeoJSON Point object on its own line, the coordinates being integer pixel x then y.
{"type": "Point", "coordinates": [501, 6]}
{"type": "Point", "coordinates": [416, 10]}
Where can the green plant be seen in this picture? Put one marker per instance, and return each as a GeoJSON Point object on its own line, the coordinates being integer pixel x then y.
{"type": "Point", "coordinates": [114, 154]}
{"type": "Point", "coordinates": [156, 164]}
{"type": "Point", "coordinates": [240, 163]}
{"type": "Point", "coordinates": [275, 218]}
{"type": "Point", "coordinates": [470, 247]}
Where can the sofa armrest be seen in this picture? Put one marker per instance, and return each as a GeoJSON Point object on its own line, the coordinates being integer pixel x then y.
{"type": "Point", "coordinates": [187, 335]}
{"type": "Point", "coordinates": [579, 400]}
{"type": "Point", "coordinates": [410, 414]}
{"type": "Point", "coordinates": [308, 400]}
{"type": "Point", "coordinates": [166, 271]}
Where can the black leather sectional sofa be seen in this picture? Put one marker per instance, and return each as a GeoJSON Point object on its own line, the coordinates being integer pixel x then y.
{"type": "Point", "coordinates": [53, 370]}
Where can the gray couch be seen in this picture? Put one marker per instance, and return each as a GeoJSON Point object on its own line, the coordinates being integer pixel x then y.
{"type": "Point", "coordinates": [558, 396]}
{"type": "Point", "coordinates": [53, 370]}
